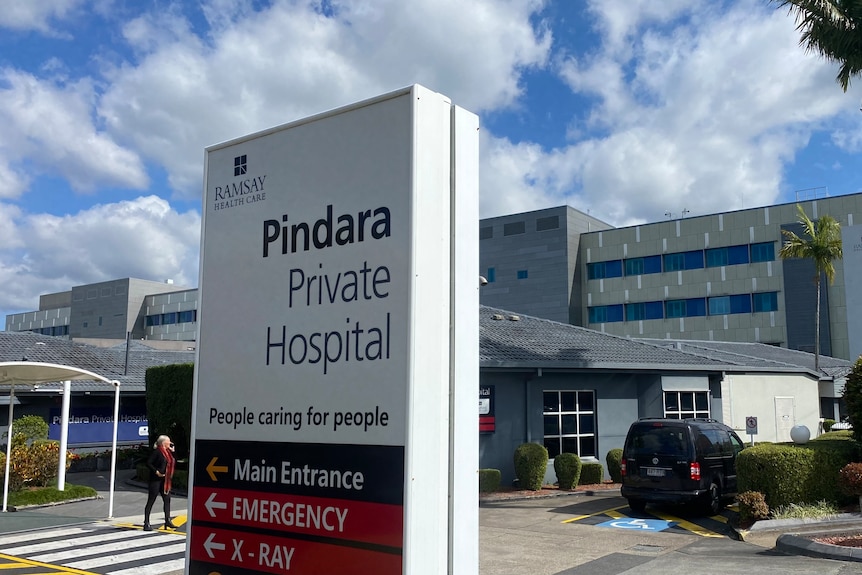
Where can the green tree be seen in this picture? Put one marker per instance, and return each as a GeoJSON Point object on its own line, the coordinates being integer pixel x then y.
{"type": "Point", "coordinates": [821, 244]}
{"type": "Point", "coordinates": [832, 28]}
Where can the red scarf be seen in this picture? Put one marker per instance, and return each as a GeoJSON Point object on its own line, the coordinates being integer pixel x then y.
{"type": "Point", "coordinates": [169, 468]}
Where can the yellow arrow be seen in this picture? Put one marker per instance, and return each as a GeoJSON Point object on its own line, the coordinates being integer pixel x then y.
{"type": "Point", "coordinates": [212, 469]}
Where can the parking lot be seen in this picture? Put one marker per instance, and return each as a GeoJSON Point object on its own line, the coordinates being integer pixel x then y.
{"type": "Point", "coordinates": [599, 535]}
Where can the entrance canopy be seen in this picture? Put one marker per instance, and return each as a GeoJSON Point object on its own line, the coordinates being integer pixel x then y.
{"type": "Point", "coordinates": [32, 374]}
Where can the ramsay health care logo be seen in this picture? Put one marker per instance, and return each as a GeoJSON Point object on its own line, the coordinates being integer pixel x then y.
{"type": "Point", "coordinates": [241, 191]}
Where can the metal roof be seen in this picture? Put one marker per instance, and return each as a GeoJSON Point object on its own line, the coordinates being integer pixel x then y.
{"type": "Point", "coordinates": [507, 340]}
{"type": "Point", "coordinates": [107, 362]}
{"type": "Point", "coordinates": [513, 340]}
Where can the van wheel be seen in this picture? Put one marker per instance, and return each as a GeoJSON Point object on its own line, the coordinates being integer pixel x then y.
{"type": "Point", "coordinates": [713, 499]}
{"type": "Point", "coordinates": [637, 505]}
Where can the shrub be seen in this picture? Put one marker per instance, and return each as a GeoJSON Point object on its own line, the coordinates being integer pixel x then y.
{"type": "Point", "coordinates": [531, 462]}
{"type": "Point", "coordinates": [489, 480]}
{"type": "Point", "coordinates": [827, 425]}
{"type": "Point", "coordinates": [591, 473]}
{"type": "Point", "coordinates": [568, 469]}
{"type": "Point", "coordinates": [787, 473]}
{"type": "Point", "coordinates": [752, 506]}
{"type": "Point", "coordinates": [614, 459]}
{"type": "Point", "coordinates": [850, 480]}
{"type": "Point", "coordinates": [31, 466]}
{"type": "Point", "coordinates": [853, 398]}
{"type": "Point", "coordinates": [32, 427]}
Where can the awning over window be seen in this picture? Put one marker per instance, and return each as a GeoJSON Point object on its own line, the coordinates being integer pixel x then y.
{"type": "Point", "coordinates": [684, 383]}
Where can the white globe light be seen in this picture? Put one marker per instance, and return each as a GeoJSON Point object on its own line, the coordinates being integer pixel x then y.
{"type": "Point", "coordinates": [800, 434]}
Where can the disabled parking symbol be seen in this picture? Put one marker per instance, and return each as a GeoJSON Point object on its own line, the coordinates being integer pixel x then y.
{"type": "Point", "coordinates": [638, 524]}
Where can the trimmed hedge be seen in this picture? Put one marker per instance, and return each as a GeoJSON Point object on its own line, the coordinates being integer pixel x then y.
{"type": "Point", "coordinates": [800, 474]}
{"type": "Point", "coordinates": [568, 469]}
{"type": "Point", "coordinates": [489, 480]}
{"type": "Point", "coordinates": [169, 404]}
{"type": "Point", "coordinates": [614, 459]}
{"type": "Point", "coordinates": [531, 462]}
{"type": "Point", "coordinates": [592, 472]}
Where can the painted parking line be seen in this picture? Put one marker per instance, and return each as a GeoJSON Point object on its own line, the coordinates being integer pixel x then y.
{"type": "Point", "coordinates": [596, 514]}
{"type": "Point", "coordinates": [30, 567]}
{"type": "Point", "coordinates": [689, 526]}
{"type": "Point", "coordinates": [654, 521]}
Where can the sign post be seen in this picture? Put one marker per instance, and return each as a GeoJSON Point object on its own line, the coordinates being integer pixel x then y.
{"type": "Point", "coordinates": [328, 430]}
{"type": "Point", "coordinates": [751, 427]}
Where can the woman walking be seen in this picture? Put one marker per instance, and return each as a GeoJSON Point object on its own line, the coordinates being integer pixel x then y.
{"type": "Point", "coordinates": [161, 464]}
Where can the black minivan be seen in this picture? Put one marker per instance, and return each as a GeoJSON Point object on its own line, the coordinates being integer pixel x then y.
{"type": "Point", "coordinates": [680, 461]}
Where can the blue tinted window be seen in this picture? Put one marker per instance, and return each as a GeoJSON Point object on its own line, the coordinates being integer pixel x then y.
{"type": "Point", "coordinates": [635, 311]}
{"type": "Point", "coordinates": [740, 303]}
{"type": "Point", "coordinates": [606, 313]}
{"type": "Point", "coordinates": [644, 310]}
{"type": "Point", "coordinates": [654, 310]}
{"type": "Point", "coordinates": [640, 266]}
{"type": "Point", "coordinates": [674, 262]}
{"type": "Point", "coordinates": [522, 274]}
{"type": "Point", "coordinates": [694, 260]}
{"type": "Point", "coordinates": [675, 308]}
{"type": "Point", "coordinates": [154, 320]}
{"type": "Point", "coordinates": [601, 270]}
{"type": "Point", "coordinates": [719, 305]}
{"type": "Point", "coordinates": [652, 265]}
{"type": "Point", "coordinates": [737, 255]}
{"type": "Point", "coordinates": [764, 252]}
{"type": "Point", "coordinates": [492, 275]}
{"type": "Point", "coordinates": [683, 261]}
{"type": "Point", "coordinates": [634, 266]}
{"type": "Point", "coordinates": [765, 301]}
{"type": "Point", "coordinates": [187, 316]}
{"type": "Point", "coordinates": [716, 257]}
{"type": "Point", "coordinates": [723, 305]}
{"type": "Point", "coordinates": [695, 307]}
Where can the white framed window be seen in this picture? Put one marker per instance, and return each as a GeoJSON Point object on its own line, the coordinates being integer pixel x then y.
{"type": "Point", "coordinates": [570, 422]}
{"type": "Point", "coordinates": [686, 404]}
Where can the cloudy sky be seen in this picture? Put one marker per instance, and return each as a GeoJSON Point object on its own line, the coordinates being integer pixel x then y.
{"type": "Point", "coordinates": [626, 109]}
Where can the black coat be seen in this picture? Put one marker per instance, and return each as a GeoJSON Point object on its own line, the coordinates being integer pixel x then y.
{"type": "Point", "coordinates": [157, 462]}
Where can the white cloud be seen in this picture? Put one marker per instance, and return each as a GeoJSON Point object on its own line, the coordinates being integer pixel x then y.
{"type": "Point", "coordinates": [266, 68]}
{"type": "Point", "coordinates": [36, 15]}
{"type": "Point", "coordinates": [704, 116]}
{"type": "Point", "coordinates": [48, 124]}
{"type": "Point", "coordinates": [142, 238]}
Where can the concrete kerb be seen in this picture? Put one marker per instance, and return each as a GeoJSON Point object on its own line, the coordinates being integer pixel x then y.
{"type": "Point", "coordinates": [796, 536]}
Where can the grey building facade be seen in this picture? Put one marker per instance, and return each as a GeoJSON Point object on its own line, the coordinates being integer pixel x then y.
{"type": "Point", "coordinates": [109, 310]}
{"type": "Point", "coordinates": [531, 262]}
{"type": "Point", "coordinates": [716, 277]}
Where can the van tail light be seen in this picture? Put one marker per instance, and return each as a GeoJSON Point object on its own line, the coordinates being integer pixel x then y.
{"type": "Point", "coordinates": [623, 468]}
{"type": "Point", "coordinates": [695, 470]}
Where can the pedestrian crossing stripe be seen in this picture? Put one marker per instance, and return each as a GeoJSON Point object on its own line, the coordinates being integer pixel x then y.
{"type": "Point", "coordinates": [97, 549]}
{"type": "Point", "coordinates": [17, 562]}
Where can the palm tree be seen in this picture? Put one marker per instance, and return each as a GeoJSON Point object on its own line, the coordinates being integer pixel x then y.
{"type": "Point", "coordinates": [832, 28]}
{"type": "Point", "coordinates": [821, 244]}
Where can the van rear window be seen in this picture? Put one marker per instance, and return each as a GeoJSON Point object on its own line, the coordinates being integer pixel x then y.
{"type": "Point", "coordinates": [658, 440]}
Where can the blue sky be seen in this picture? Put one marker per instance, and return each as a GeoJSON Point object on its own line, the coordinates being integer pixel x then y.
{"type": "Point", "coordinates": [626, 109]}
